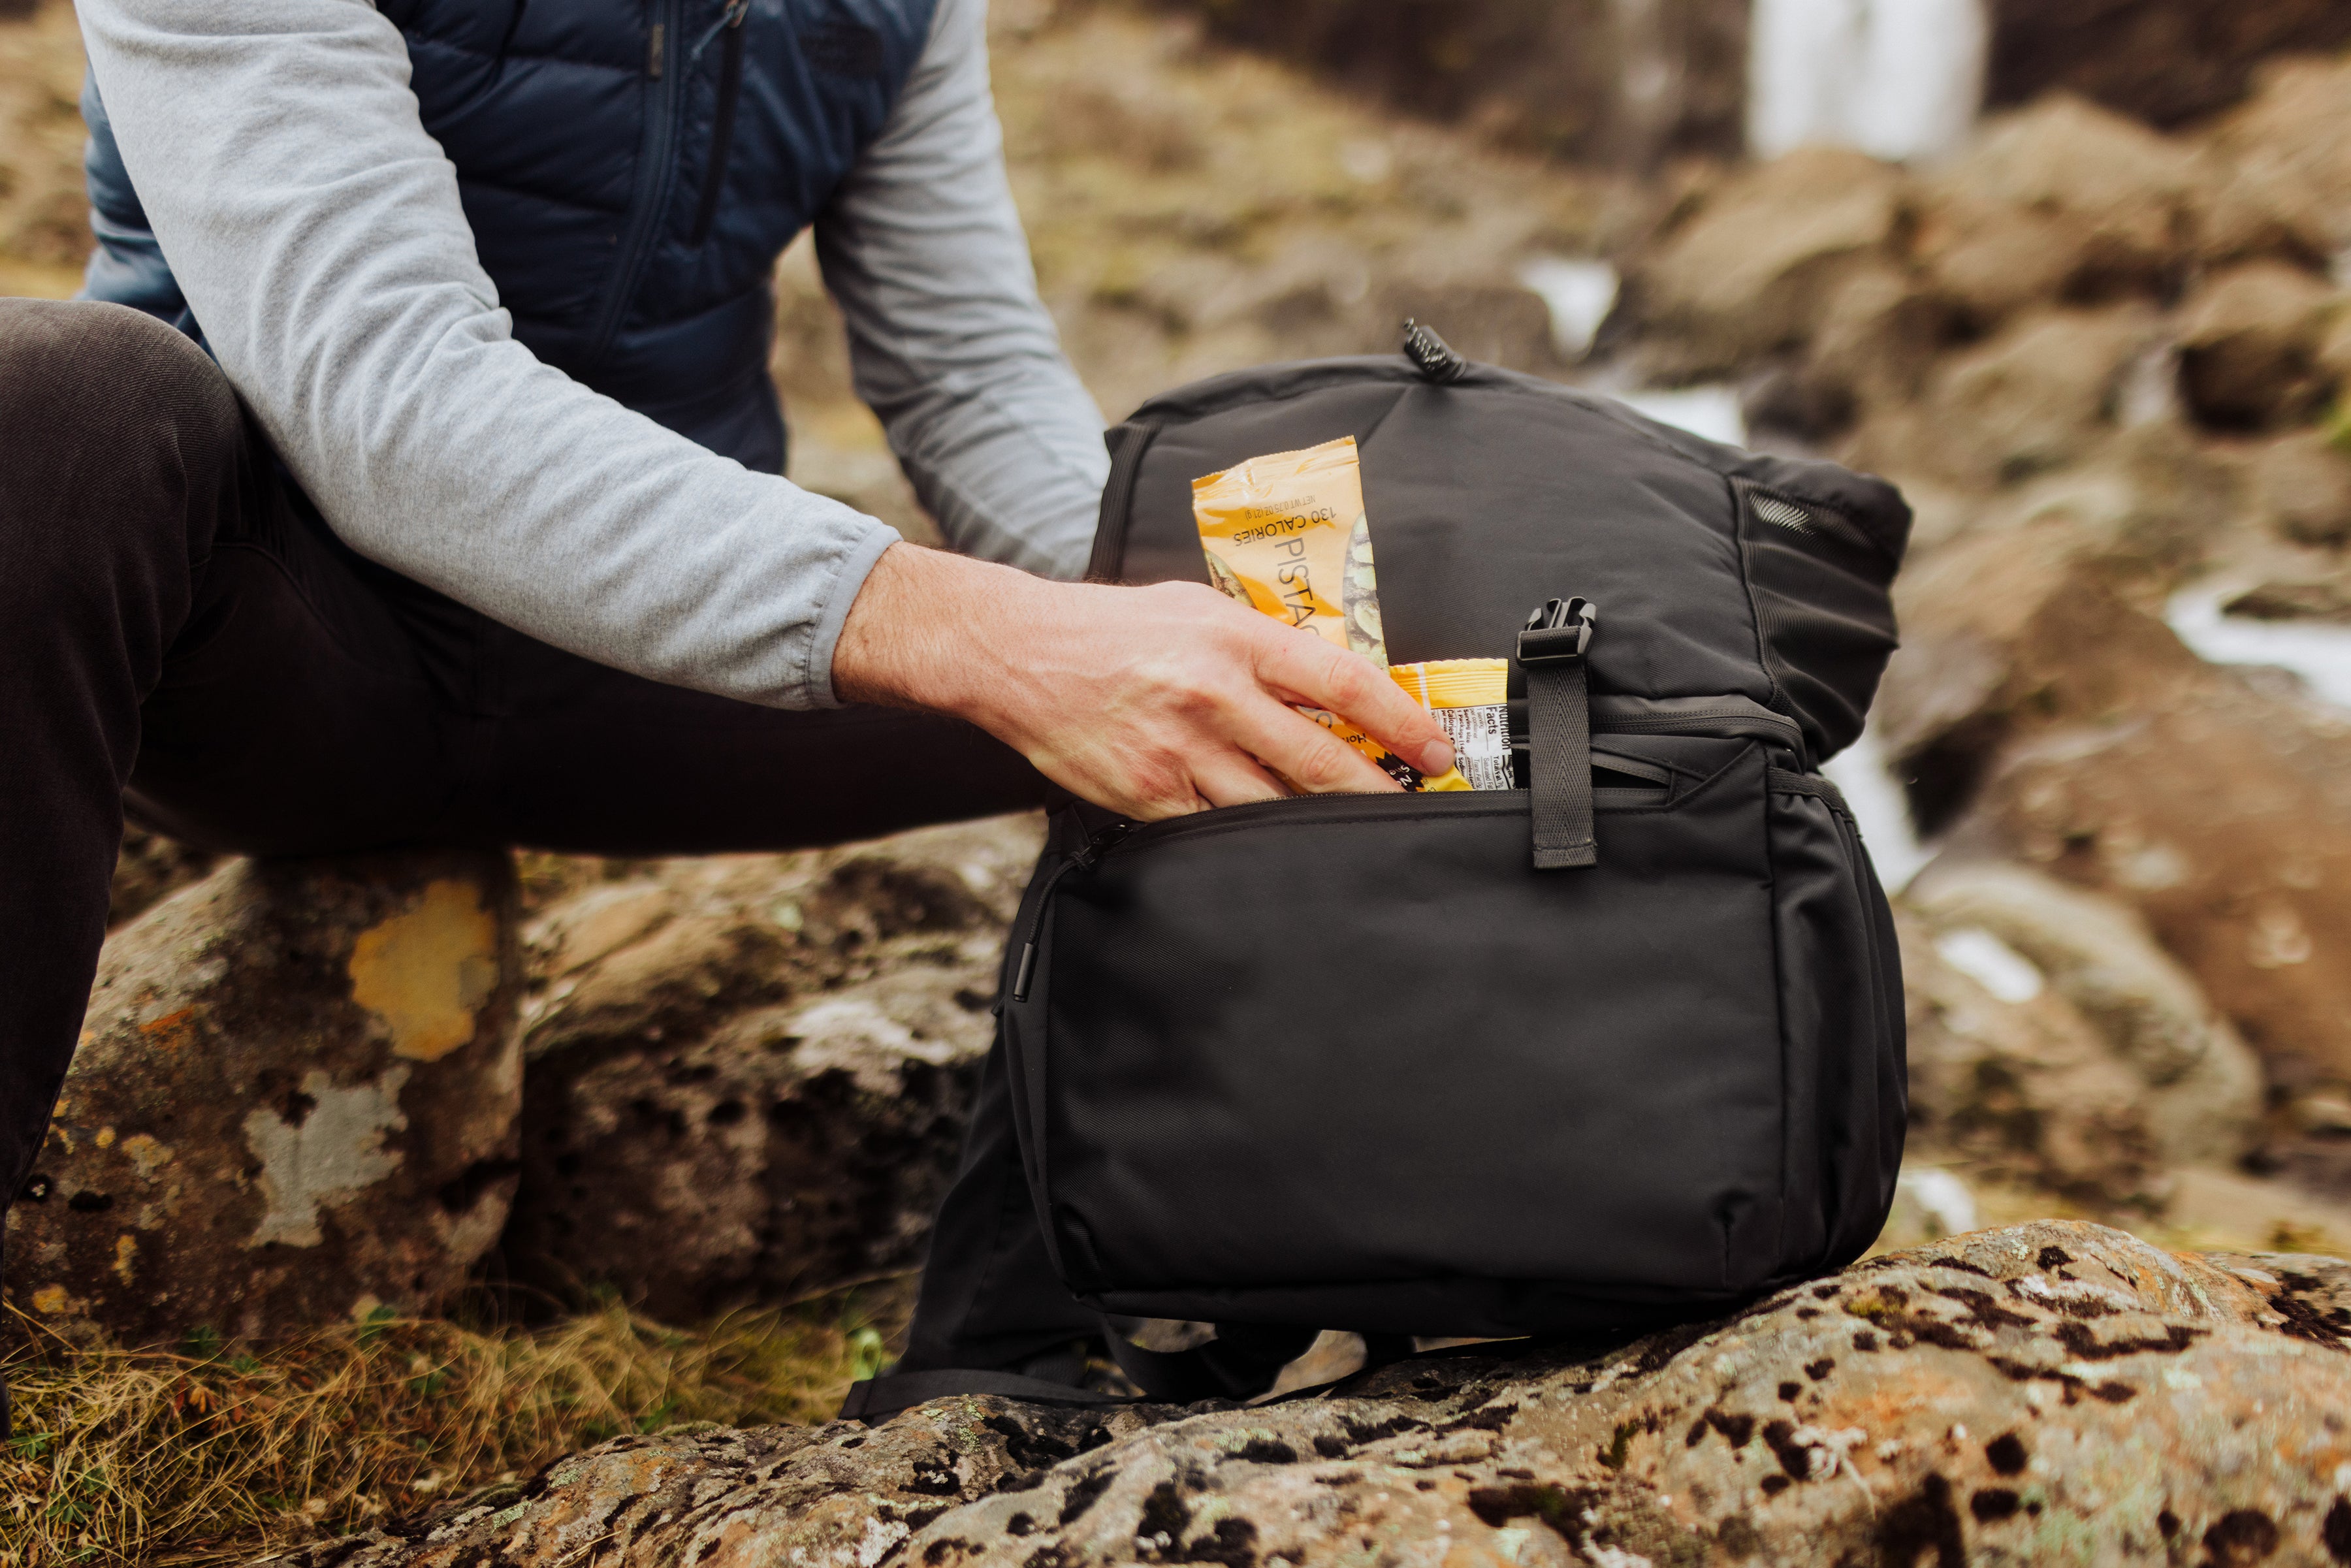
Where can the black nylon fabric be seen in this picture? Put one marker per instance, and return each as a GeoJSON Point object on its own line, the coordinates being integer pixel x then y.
{"type": "Point", "coordinates": [1355, 1062]}
{"type": "Point", "coordinates": [1490, 494]}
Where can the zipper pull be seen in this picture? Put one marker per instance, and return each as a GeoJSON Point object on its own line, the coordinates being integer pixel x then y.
{"type": "Point", "coordinates": [654, 50]}
{"type": "Point", "coordinates": [1085, 858]}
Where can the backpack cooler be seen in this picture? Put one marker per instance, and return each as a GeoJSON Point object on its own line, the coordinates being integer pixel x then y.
{"type": "Point", "coordinates": [1622, 1047]}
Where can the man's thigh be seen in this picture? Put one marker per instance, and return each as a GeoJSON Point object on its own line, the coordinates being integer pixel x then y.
{"type": "Point", "coordinates": [303, 709]}
{"type": "Point", "coordinates": [589, 759]}
{"type": "Point", "coordinates": [317, 703]}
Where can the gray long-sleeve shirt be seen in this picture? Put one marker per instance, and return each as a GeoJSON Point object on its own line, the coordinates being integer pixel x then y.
{"type": "Point", "coordinates": [315, 232]}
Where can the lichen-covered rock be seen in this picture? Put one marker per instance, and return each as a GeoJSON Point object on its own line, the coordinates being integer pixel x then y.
{"type": "Point", "coordinates": [2050, 1392]}
{"type": "Point", "coordinates": [295, 1098]}
{"type": "Point", "coordinates": [749, 1076]}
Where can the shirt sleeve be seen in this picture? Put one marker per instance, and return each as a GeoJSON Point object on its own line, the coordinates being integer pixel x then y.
{"type": "Point", "coordinates": [315, 232]}
{"type": "Point", "coordinates": [923, 251]}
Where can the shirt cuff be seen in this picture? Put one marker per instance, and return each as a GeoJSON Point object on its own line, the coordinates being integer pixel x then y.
{"type": "Point", "coordinates": [856, 562]}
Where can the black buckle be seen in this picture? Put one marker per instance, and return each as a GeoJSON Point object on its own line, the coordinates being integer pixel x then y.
{"type": "Point", "coordinates": [1557, 634]}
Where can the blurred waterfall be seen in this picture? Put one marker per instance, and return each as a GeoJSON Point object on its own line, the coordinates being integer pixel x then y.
{"type": "Point", "coordinates": [1897, 78]}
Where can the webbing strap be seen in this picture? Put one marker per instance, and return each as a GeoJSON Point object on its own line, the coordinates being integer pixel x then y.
{"type": "Point", "coordinates": [1559, 732]}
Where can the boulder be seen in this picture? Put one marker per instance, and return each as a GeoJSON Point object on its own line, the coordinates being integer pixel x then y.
{"type": "Point", "coordinates": [2037, 395]}
{"type": "Point", "coordinates": [749, 1076]}
{"type": "Point", "coordinates": [2249, 346]}
{"type": "Point", "coordinates": [2200, 1087]}
{"type": "Point", "coordinates": [2287, 157]}
{"type": "Point", "coordinates": [2114, 201]}
{"type": "Point", "coordinates": [2302, 485]}
{"type": "Point", "coordinates": [2005, 1395]}
{"type": "Point", "coordinates": [2167, 61]}
{"type": "Point", "coordinates": [1750, 273]}
{"type": "Point", "coordinates": [2022, 1090]}
{"type": "Point", "coordinates": [295, 1099]}
{"type": "Point", "coordinates": [2074, 732]}
{"type": "Point", "coordinates": [2222, 812]}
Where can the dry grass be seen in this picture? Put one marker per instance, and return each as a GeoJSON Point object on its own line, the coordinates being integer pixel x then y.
{"type": "Point", "coordinates": [210, 1456]}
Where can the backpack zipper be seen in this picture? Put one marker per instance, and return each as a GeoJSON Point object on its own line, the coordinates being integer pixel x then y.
{"type": "Point", "coordinates": [1084, 857]}
{"type": "Point", "coordinates": [653, 175]}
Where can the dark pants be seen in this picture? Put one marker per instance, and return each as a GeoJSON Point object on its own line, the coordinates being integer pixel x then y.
{"type": "Point", "coordinates": [179, 633]}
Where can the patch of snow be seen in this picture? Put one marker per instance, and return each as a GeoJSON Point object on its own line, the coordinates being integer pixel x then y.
{"type": "Point", "coordinates": [1860, 772]}
{"type": "Point", "coordinates": [1710, 412]}
{"type": "Point", "coordinates": [1578, 291]}
{"type": "Point", "coordinates": [1941, 1196]}
{"type": "Point", "coordinates": [2318, 652]}
{"type": "Point", "coordinates": [1990, 963]}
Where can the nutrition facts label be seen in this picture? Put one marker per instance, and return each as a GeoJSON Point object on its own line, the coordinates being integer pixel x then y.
{"type": "Point", "coordinates": [1482, 742]}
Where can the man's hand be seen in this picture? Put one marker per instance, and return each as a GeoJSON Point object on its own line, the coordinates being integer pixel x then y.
{"type": "Point", "coordinates": [1154, 702]}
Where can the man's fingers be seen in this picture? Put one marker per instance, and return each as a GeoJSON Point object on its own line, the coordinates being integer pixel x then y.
{"type": "Point", "coordinates": [1303, 751]}
{"type": "Point", "coordinates": [1235, 780]}
{"type": "Point", "coordinates": [1357, 689]}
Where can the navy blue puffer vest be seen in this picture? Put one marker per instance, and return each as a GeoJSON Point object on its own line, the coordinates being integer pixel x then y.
{"type": "Point", "coordinates": [631, 168]}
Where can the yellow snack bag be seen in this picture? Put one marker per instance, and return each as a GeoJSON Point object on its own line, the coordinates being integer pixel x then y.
{"type": "Point", "coordinates": [1471, 700]}
{"type": "Point", "coordinates": [1287, 534]}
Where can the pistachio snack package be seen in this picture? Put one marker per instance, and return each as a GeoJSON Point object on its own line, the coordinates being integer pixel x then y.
{"type": "Point", "coordinates": [1471, 700]}
{"type": "Point", "coordinates": [1286, 533]}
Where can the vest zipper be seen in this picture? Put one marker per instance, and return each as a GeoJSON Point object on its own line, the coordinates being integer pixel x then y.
{"type": "Point", "coordinates": [722, 130]}
{"type": "Point", "coordinates": [654, 174]}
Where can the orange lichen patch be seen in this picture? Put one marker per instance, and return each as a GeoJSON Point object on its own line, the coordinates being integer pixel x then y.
{"type": "Point", "coordinates": [126, 1257]}
{"type": "Point", "coordinates": [424, 972]}
{"type": "Point", "coordinates": [171, 1030]}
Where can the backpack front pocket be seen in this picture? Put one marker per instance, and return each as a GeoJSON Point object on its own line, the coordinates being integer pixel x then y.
{"type": "Point", "coordinates": [1336, 1040]}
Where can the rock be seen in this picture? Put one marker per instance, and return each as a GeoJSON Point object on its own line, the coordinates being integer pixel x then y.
{"type": "Point", "coordinates": [2035, 396]}
{"type": "Point", "coordinates": [1592, 83]}
{"type": "Point", "coordinates": [2201, 1087]}
{"type": "Point", "coordinates": [2288, 158]}
{"type": "Point", "coordinates": [2165, 61]}
{"type": "Point", "coordinates": [2320, 599]}
{"type": "Point", "coordinates": [2223, 813]}
{"type": "Point", "coordinates": [295, 1100]}
{"type": "Point", "coordinates": [2074, 733]}
{"type": "Point", "coordinates": [749, 1076]}
{"type": "Point", "coordinates": [2024, 1089]}
{"type": "Point", "coordinates": [1749, 274]}
{"type": "Point", "coordinates": [148, 869]}
{"type": "Point", "coordinates": [2114, 201]}
{"type": "Point", "coordinates": [2249, 346]}
{"type": "Point", "coordinates": [2301, 483]}
{"type": "Point", "coordinates": [1973, 1400]}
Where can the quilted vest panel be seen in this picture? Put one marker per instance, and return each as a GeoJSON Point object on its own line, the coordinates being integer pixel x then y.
{"type": "Point", "coordinates": [584, 135]}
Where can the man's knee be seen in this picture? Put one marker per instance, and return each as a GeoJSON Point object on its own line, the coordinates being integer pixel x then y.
{"type": "Point", "coordinates": [79, 375]}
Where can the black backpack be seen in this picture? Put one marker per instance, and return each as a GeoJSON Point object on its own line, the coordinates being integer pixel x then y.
{"type": "Point", "coordinates": [1622, 1048]}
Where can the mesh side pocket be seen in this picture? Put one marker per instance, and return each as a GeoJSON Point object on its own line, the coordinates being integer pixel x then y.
{"type": "Point", "coordinates": [1818, 585]}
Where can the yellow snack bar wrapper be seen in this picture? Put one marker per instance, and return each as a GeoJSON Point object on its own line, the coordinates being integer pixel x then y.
{"type": "Point", "coordinates": [1471, 700]}
{"type": "Point", "coordinates": [1286, 533]}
